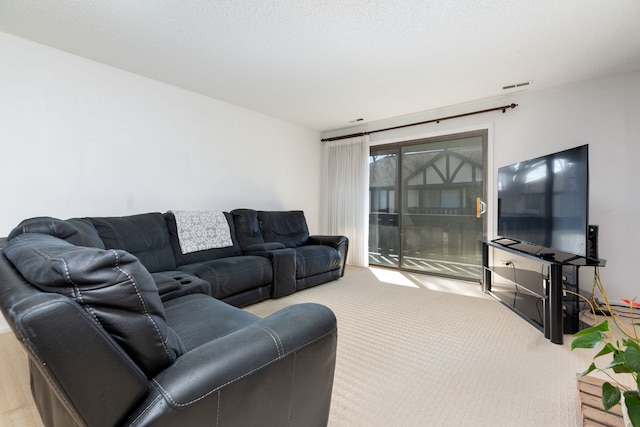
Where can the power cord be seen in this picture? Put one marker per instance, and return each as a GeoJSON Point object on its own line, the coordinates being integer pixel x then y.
{"type": "Point", "coordinates": [608, 310]}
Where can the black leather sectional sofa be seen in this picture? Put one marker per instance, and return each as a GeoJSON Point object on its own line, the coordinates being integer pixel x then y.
{"type": "Point", "coordinates": [123, 328]}
{"type": "Point", "coordinates": [272, 253]}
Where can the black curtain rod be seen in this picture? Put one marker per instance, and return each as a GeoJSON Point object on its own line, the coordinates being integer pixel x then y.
{"type": "Point", "coordinates": [503, 108]}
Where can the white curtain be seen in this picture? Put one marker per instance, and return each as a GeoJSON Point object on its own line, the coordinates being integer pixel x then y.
{"type": "Point", "coordinates": [345, 209]}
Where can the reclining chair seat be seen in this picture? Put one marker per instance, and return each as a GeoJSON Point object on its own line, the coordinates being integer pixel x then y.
{"type": "Point", "coordinates": [318, 259]}
{"type": "Point", "coordinates": [181, 312]}
{"type": "Point", "coordinates": [229, 276]}
{"type": "Point", "coordinates": [105, 350]}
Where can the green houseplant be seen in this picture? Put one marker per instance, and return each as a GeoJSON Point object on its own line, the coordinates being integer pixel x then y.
{"type": "Point", "coordinates": [622, 343]}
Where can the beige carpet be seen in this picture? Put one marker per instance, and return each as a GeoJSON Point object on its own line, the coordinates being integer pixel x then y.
{"type": "Point", "coordinates": [413, 350]}
{"type": "Point", "coordinates": [434, 352]}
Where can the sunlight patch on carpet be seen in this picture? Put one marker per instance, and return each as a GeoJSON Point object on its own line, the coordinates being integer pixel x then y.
{"type": "Point", "coordinates": [392, 277]}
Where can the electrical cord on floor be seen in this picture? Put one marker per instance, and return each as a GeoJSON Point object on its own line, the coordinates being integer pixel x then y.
{"type": "Point", "coordinates": [614, 310]}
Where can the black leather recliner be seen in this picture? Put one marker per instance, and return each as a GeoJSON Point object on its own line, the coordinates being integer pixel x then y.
{"type": "Point", "coordinates": [104, 349]}
{"type": "Point", "coordinates": [317, 259]}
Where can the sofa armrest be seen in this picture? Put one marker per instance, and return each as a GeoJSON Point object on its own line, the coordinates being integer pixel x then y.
{"type": "Point", "coordinates": [261, 247]}
{"type": "Point", "coordinates": [283, 373]}
{"type": "Point", "coordinates": [283, 262]}
{"type": "Point", "coordinates": [174, 284]}
{"type": "Point", "coordinates": [341, 243]}
{"type": "Point", "coordinates": [335, 241]}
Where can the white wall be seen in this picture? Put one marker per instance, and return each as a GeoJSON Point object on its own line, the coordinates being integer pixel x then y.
{"type": "Point", "coordinates": [78, 138]}
{"type": "Point", "coordinates": [604, 113]}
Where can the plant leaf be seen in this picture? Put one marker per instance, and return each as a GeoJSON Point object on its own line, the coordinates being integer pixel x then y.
{"type": "Point", "coordinates": [633, 408]}
{"type": "Point", "coordinates": [632, 358]}
{"type": "Point", "coordinates": [600, 327]}
{"type": "Point", "coordinates": [590, 340]}
{"type": "Point", "coordinates": [591, 367]}
{"type": "Point", "coordinates": [618, 364]}
{"type": "Point", "coordinates": [608, 348]}
{"type": "Point", "coordinates": [610, 396]}
{"type": "Point", "coordinates": [632, 343]}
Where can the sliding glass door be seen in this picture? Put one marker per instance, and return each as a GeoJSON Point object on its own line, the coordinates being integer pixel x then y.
{"type": "Point", "coordinates": [384, 245]}
{"type": "Point", "coordinates": [426, 205]}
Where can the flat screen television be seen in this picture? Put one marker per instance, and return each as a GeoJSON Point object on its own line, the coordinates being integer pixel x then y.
{"type": "Point", "coordinates": [544, 202]}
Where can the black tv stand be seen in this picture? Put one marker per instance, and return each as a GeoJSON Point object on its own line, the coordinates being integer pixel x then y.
{"type": "Point", "coordinates": [536, 291]}
{"type": "Point", "coordinates": [550, 256]}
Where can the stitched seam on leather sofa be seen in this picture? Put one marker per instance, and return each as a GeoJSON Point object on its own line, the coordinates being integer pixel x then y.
{"type": "Point", "coordinates": [144, 307]}
{"type": "Point", "coordinates": [67, 275]}
{"type": "Point", "coordinates": [293, 381]}
{"type": "Point", "coordinates": [147, 409]}
{"type": "Point", "coordinates": [168, 396]}
{"type": "Point", "coordinates": [274, 336]}
{"type": "Point", "coordinates": [78, 293]}
{"type": "Point", "coordinates": [218, 409]}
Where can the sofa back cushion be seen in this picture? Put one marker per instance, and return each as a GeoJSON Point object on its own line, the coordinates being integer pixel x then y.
{"type": "Point", "coordinates": [145, 236]}
{"type": "Point", "coordinates": [204, 255]}
{"type": "Point", "coordinates": [288, 228]}
{"type": "Point", "coordinates": [111, 285]}
{"type": "Point", "coordinates": [247, 227]}
{"type": "Point", "coordinates": [78, 231]}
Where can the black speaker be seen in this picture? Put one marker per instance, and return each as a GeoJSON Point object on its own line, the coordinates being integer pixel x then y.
{"type": "Point", "coordinates": [592, 242]}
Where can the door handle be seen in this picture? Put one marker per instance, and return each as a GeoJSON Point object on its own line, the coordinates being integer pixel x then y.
{"type": "Point", "coordinates": [481, 207]}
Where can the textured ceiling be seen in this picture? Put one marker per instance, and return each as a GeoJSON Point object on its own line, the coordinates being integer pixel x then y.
{"type": "Point", "coordinates": [323, 63]}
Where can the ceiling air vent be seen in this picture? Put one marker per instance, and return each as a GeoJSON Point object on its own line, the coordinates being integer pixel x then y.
{"type": "Point", "coordinates": [518, 85]}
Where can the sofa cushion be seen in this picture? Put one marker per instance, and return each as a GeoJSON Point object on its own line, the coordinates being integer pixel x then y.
{"type": "Point", "coordinates": [316, 259]}
{"type": "Point", "coordinates": [232, 275]}
{"type": "Point", "coordinates": [216, 319]}
{"type": "Point", "coordinates": [145, 236]}
{"type": "Point", "coordinates": [205, 255]}
{"type": "Point", "coordinates": [289, 228]}
{"type": "Point", "coordinates": [111, 285]}
{"type": "Point", "coordinates": [247, 227]}
{"type": "Point", "coordinates": [78, 231]}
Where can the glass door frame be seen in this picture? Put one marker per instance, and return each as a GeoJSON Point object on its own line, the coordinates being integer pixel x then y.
{"type": "Point", "coordinates": [397, 146]}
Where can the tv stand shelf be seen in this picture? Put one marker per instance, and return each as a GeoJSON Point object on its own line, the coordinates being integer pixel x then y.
{"type": "Point", "coordinates": [531, 281]}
